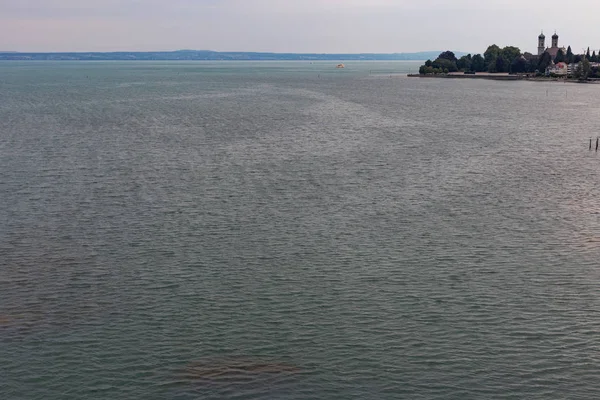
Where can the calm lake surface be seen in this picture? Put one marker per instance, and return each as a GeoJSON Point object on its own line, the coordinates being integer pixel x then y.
{"type": "Point", "coordinates": [288, 230]}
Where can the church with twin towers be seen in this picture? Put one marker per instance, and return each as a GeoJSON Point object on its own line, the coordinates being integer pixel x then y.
{"type": "Point", "coordinates": [553, 51]}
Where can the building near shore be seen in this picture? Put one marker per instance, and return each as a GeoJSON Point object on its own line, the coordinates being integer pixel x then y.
{"type": "Point", "coordinates": [560, 69]}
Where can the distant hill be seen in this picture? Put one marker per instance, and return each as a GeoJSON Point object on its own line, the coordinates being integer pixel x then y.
{"type": "Point", "coordinates": [207, 55]}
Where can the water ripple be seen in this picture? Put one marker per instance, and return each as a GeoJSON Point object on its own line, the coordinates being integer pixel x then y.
{"type": "Point", "coordinates": [259, 231]}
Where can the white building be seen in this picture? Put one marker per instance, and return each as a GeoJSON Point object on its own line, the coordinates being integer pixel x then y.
{"type": "Point", "coordinates": [560, 68]}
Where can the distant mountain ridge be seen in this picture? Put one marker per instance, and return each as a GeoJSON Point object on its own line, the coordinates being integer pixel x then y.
{"type": "Point", "coordinates": [208, 55]}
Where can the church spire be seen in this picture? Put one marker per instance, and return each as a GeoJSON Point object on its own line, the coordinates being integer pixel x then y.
{"type": "Point", "coordinates": [541, 44]}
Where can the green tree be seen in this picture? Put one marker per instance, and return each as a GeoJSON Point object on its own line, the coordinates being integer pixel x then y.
{"type": "Point", "coordinates": [560, 57]}
{"type": "Point", "coordinates": [444, 63]}
{"type": "Point", "coordinates": [585, 69]}
{"type": "Point", "coordinates": [490, 56]}
{"type": "Point", "coordinates": [587, 54]}
{"type": "Point", "coordinates": [477, 63]}
{"type": "Point", "coordinates": [448, 55]}
{"type": "Point", "coordinates": [428, 63]}
{"type": "Point", "coordinates": [510, 53]}
{"type": "Point", "coordinates": [519, 65]}
{"type": "Point", "coordinates": [501, 64]}
{"type": "Point", "coordinates": [532, 63]}
{"type": "Point", "coordinates": [544, 62]}
{"type": "Point", "coordinates": [594, 57]}
{"type": "Point", "coordinates": [577, 58]}
{"type": "Point", "coordinates": [464, 63]}
{"type": "Point", "coordinates": [569, 57]}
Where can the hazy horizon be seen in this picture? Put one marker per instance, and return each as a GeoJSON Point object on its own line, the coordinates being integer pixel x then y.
{"type": "Point", "coordinates": [310, 26]}
{"type": "Point", "coordinates": [227, 51]}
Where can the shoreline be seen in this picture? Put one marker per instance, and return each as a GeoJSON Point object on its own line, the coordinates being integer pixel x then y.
{"type": "Point", "coordinates": [499, 77]}
{"type": "Point", "coordinates": [496, 77]}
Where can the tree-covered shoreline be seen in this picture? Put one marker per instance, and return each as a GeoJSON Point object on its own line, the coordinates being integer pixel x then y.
{"type": "Point", "coordinates": [511, 60]}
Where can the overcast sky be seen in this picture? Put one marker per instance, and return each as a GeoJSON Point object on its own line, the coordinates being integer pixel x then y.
{"type": "Point", "coordinates": [330, 26]}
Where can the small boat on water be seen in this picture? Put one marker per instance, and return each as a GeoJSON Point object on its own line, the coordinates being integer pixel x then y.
{"type": "Point", "coordinates": [340, 66]}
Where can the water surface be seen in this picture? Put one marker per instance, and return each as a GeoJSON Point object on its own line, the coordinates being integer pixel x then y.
{"type": "Point", "coordinates": [294, 231]}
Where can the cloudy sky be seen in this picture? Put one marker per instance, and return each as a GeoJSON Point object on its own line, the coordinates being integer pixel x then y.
{"type": "Point", "coordinates": [332, 26]}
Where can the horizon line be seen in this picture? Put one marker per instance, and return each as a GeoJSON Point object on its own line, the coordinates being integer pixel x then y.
{"type": "Point", "coordinates": [217, 51]}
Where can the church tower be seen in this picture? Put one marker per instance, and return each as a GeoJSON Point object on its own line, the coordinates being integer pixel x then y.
{"type": "Point", "coordinates": [542, 43]}
{"type": "Point", "coordinates": [555, 40]}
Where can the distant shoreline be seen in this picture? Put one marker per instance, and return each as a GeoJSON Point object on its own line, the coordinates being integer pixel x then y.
{"type": "Point", "coordinates": [495, 77]}
{"type": "Point", "coordinates": [207, 55]}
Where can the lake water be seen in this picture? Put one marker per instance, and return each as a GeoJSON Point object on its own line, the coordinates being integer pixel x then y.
{"type": "Point", "coordinates": [288, 230]}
